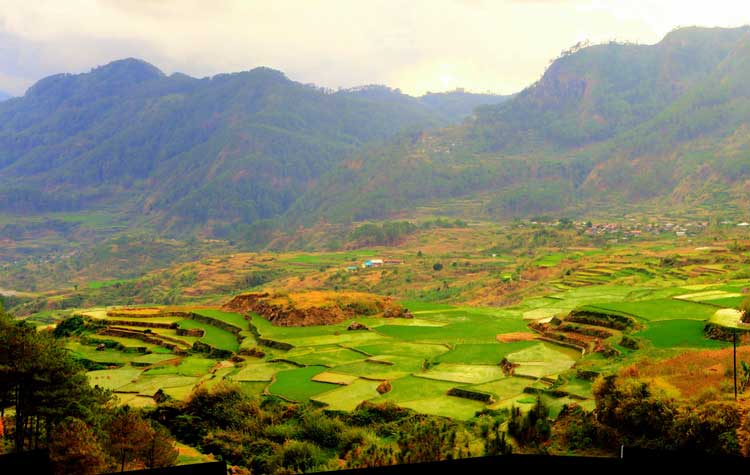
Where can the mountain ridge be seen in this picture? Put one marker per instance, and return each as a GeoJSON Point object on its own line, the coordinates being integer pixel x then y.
{"type": "Point", "coordinates": [605, 123]}
{"type": "Point", "coordinates": [557, 146]}
{"type": "Point", "coordinates": [184, 151]}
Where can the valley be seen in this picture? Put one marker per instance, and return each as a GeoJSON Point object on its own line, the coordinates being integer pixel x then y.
{"type": "Point", "coordinates": [290, 278]}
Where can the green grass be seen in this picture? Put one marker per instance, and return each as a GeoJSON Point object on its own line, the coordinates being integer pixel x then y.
{"type": "Point", "coordinates": [253, 372]}
{"type": "Point", "coordinates": [678, 334]}
{"type": "Point", "coordinates": [325, 356]}
{"type": "Point", "coordinates": [468, 328]}
{"type": "Point", "coordinates": [430, 397]}
{"type": "Point", "coordinates": [100, 284]}
{"type": "Point", "coordinates": [344, 338]}
{"type": "Point", "coordinates": [149, 385]}
{"type": "Point", "coordinates": [446, 406]}
{"type": "Point", "coordinates": [661, 309]}
{"type": "Point", "coordinates": [128, 343]}
{"type": "Point", "coordinates": [154, 358]}
{"type": "Point", "coordinates": [503, 389]}
{"type": "Point", "coordinates": [415, 306]}
{"type": "Point", "coordinates": [347, 398]}
{"type": "Point", "coordinates": [231, 318]}
{"type": "Point", "coordinates": [489, 353]}
{"type": "Point", "coordinates": [411, 388]}
{"type": "Point", "coordinates": [726, 302]}
{"type": "Point", "coordinates": [114, 378]}
{"type": "Point", "coordinates": [216, 337]}
{"type": "Point", "coordinates": [179, 392]}
{"type": "Point", "coordinates": [296, 384]}
{"type": "Point", "coordinates": [351, 257]}
{"type": "Point", "coordinates": [375, 370]}
{"type": "Point", "coordinates": [190, 366]}
{"type": "Point", "coordinates": [543, 359]}
{"type": "Point", "coordinates": [399, 348]}
{"type": "Point", "coordinates": [252, 388]}
{"type": "Point", "coordinates": [467, 374]}
{"type": "Point", "coordinates": [550, 260]}
{"type": "Point", "coordinates": [88, 352]}
{"type": "Point", "coordinates": [579, 387]}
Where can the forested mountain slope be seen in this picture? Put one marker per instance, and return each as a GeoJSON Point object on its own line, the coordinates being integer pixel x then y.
{"type": "Point", "coordinates": [182, 151]}
{"type": "Point", "coordinates": [666, 122]}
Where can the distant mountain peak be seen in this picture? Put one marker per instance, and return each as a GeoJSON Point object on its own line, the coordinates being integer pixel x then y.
{"type": "Point", "coordinates": [114, 77]}
{"type": "Point", "coordinates": [135, 69]}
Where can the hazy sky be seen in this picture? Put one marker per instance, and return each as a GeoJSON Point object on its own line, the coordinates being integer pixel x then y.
{"type": "Point", "coordinates": [416, 45]}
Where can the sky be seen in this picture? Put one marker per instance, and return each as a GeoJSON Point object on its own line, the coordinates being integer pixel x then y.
{"type": "Point", "coordinates": [499, 46]}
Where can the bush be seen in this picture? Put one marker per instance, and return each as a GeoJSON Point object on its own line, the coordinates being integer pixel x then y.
{"type": "Point", "coordinates": [298, 456]}
{"type": "Point", "coordinates": [437, 266]}
{"type": "Point", "coordinates": [70, 326]}
{"type": "Point", "coordinates": [745, 310]}
{"type": "Point", "coordinates": [322, 430]}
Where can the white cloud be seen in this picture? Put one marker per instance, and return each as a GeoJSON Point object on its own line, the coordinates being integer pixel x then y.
{"type": "Point", "coordinates": [416, 45]}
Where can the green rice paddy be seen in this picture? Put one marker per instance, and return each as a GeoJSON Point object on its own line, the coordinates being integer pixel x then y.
{"type": "Point", "coordinates": [297, 384]}
{"type": "Point", "coordinates": [231, 318]}
{"type": "Point", "coordinates": [678, 334]}
{"type": "Point", "coordinates": [216, 337]}
{"type": "Point", "coordinates": [444, 347]}
{"type": "Point", "coordinates": [661, 309]}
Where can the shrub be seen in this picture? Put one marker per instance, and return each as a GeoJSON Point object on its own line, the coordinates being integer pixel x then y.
{"type": "Point", "coordinates": [298, 456]}
{"type": "Point", "coordinates": [324, 431]}
{"type": "Point", "coordinates": [70, 326]}
{"type": "Point", "coordinates": [745, 310]}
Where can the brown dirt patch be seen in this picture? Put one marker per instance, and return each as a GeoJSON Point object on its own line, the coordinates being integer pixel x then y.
{"type": "Point", "coordinates": [315, 307]}
{"type": "Point", "coordinates": [516, 336]}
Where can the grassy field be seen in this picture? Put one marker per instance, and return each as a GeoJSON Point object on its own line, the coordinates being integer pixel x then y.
{"type": "Point", "coordinates": [262, 371]}
{"type": "Point", "coordinates": [347, 398]}
{"type": "Point", "coordinates": [114, 379]}
{"type": "Point", "coordinates": [213, 336]}
{"type": "Point", "coordinates": [661, 309]}
{"type": "Point", "coordinates": [297, 384]}
{"type": "Point", "coordinates": [89, 352]}
{"type": "Point", "coordinates": [678, 334]}
{"type": "Point", "coordinates": [190, 366]}
{"type": "Point", "coordinates": [460, 373]}
{"type": "Point", "coordinates": [100, 284]}
{"type": "Point", "coordinates": [323, 356]}
{"type": "Point", "coordinates": [430, 397]}
{"type": "Point", "coordinates": [487, 354]}
{"type": "Point", "coordinates": [231, 318]}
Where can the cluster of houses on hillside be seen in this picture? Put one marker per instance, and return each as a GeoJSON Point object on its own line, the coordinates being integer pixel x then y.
{"type": "Point", "coordinates": [376, 263]}
{"type": "Point", "coordinates": [634, 230]}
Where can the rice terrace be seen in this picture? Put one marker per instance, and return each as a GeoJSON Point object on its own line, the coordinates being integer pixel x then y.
{"type": "Point", "coordinates": [258, 273]}
{"type": "Point", "coordinates": [445, 360]}
{"type": "Point", "coordinates": [595, 311]}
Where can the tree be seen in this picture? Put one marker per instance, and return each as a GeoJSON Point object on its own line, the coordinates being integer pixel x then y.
{"type": "Point", "coordinates": [437, 266]}
{"type": "Point", "coordinates": [75, 449]}
{"type": "Point", "coordinates": [532, 428]}
{"type": "Point", "coordinates": [42, 384]}
{"type": "Point", "coordinates": [745, 310]}
{"type": "Point", "coordinates": [159, 450]}
{"type": "Point", "coordinates": [128, 436]}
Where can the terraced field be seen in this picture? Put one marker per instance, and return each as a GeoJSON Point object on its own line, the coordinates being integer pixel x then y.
{"type": "Point", "coordinates": [447, 360]}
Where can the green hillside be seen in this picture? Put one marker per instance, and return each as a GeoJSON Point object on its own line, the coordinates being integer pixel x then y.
{"type": "Point", "coordinates": [606, 123]}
